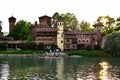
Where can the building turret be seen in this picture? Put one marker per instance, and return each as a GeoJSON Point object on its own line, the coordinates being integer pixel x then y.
{"type": "Point", "coordinates": [45, 21]}
{"type": "Point", "coordinates": [12, 21]}
{"type": "Point", "coordinates": [60, 35]}
{"type": "Point", "coordinates": [98, 27]}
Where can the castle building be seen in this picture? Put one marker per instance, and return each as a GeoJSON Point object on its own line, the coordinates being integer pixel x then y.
{"type": "Point", "coordinates": [43, 32]}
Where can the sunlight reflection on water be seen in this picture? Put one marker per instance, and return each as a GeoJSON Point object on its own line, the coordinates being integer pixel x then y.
{"type": "Point", "coordinates": [59, 69]}
{"type": "Point", "coordinates": [105, 73]}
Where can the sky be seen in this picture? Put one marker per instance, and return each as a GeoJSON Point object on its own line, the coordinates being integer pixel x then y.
{"type": "Point", "coordinates": [30, 10]}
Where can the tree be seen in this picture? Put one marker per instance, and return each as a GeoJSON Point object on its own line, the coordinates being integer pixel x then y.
{"type": "Point", "coordinates": [108, 22]}
{"type": "Point", "coordinates": [112, 43]}
{"type": "Point", "coordinates": [117, 28]}
{"type": "Point", "coordinates": [55, 18]}
{"type": "Point", "coordinates": [21, 31]}
{"type": "Point", "coordinates": [1, 28]}
{"type": "Point", "coordinates": [85, 26]}
{"type": "Point", "coordinates": [70, 20]}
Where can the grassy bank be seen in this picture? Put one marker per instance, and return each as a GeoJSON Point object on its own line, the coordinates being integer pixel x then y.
{"type": "Point", "coordinates": [21, 52]}
{"type": "Point", "coordinates": [88, 53]}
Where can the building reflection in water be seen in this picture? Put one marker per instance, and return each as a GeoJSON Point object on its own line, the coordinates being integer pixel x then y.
{"type": "Point", "coordinates": [105, 73]}
{"type": "Point", "coordinates": [60, 68]}
{"type": "Point", "coordinates": [4, 71]}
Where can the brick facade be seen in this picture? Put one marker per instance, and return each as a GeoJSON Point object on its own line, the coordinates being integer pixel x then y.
{"type": "Point", "coordinates": [43, 32]}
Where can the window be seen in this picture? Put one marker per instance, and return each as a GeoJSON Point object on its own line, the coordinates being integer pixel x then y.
{"type": "Point", "coordinates": [74, 46]}
{"type": "Point", "coordinates": [87, 40]}
{"type": "Point", "coordinates": [83, 40]}
{"type": "Point", "coordinates": [61, 41]}
{"type": "Point", "coordinates": [67, 40]}
{"type": "Point", "coordinates": [74, 41]}
{"type": "Point", "coordinates": [67, 46]}
{"type": "Point", "coordinates": [62, 35]}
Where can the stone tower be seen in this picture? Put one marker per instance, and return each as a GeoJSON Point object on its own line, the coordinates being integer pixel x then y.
{"type": "Point", "coordinates": [60, 35]}
{"type": "Point", "coordinates": [12, 21]}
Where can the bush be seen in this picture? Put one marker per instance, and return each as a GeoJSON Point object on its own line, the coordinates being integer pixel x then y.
{"type": "Point", "coordinates": [23, 46]}
{"type": "Point", "coordinates": [88, 47]}
{"type": "Point", "coordinates": [3, 46]}
{"type": "Point", "coordinates": [40, 46]}
{"type": "Point", "coordinates": [31, 46]}
{"type": "Point", "coordinates": [97, 47]}
{"type": "Point", "coordinates": [112, 43]}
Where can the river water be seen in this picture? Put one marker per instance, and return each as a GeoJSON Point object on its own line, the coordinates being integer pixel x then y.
{"type": "Point", "coordinates": [69, 68]}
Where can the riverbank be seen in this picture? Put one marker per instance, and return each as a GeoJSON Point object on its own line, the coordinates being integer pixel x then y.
{"type": "Point", "coordinates": [22, 52]}
{"type": "Point", "coordinates": [88, 53]}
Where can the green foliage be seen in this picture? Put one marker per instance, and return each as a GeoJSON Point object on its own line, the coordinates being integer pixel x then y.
{"type": "Point", "coordinates": [22, 51]}
{"type": "Point", "coordinates": [23, 46]}
{"type": "Point", "coordinates": [117, 28]}
{"type": "Point", "coordinates": [31, 46]}
{"type": "Point", "coordinates": [85, 26]}
{"type": "Point", "coordinates": [106, 20]}
{"type": "Point", "coordinates": [40, 46]}
{"type": "Point", "coordinates": [88, 47]}
{"type": "Point", "coordinates": [3, 46]}
{"type": "Point", "coordinates": [112, 43]}
{"type": "Point", "coordinates": [21, 31]}
{"type": "Point", "coordinates": [107, 31]}
{"type": "Point", "coordinates": [55, 18]}
{"type": "Point", "coordinates": [108, 23]}
{"type": "Point", "coordinates": [70, 20]}
{"type": "Point", "coordinates": [97, 47]}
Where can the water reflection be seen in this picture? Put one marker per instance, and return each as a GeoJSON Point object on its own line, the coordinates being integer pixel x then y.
{"type": "Point", "coordinates": [105, 73]}
{"type": "Point", "coordinates": [4, 71]}
{"type": "Point", "coordinates": [59, 69]}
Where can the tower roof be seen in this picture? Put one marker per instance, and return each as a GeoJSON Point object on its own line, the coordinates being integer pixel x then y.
{"type": "Point", "coordinates": [12, 18]}
{"type": "Point", "coordinates": [45, 16]}
{"type": "Point", "coordinates": [97, 24]}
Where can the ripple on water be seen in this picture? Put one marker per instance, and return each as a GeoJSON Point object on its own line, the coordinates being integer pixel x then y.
{"type": "Point", "coordinates": [4, 71]}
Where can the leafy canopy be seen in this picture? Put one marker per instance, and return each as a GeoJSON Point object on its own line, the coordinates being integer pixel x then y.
{"type": "Point", "coordinates": [21, 31]}
{"type": "Point", "coordinates": [108, 23]}
{"type": "Point", "coordinates": [112, 43]}
{"type": "Point", "coordinates": [69, 19]}
{"type": "Point", "coordinates": [85, 26]}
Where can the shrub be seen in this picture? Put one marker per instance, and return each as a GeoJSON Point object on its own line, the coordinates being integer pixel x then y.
{"type": "Point", "coordinates": [3, 46]}
{"type": "Point", "coordinates": [23, 46]}
{"type": "Point", "coordinates": [31, 46]}
{"type": "Point", "coordinates": [112, 43]}
{"type": "Point", "coordinates": [40, 46]}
